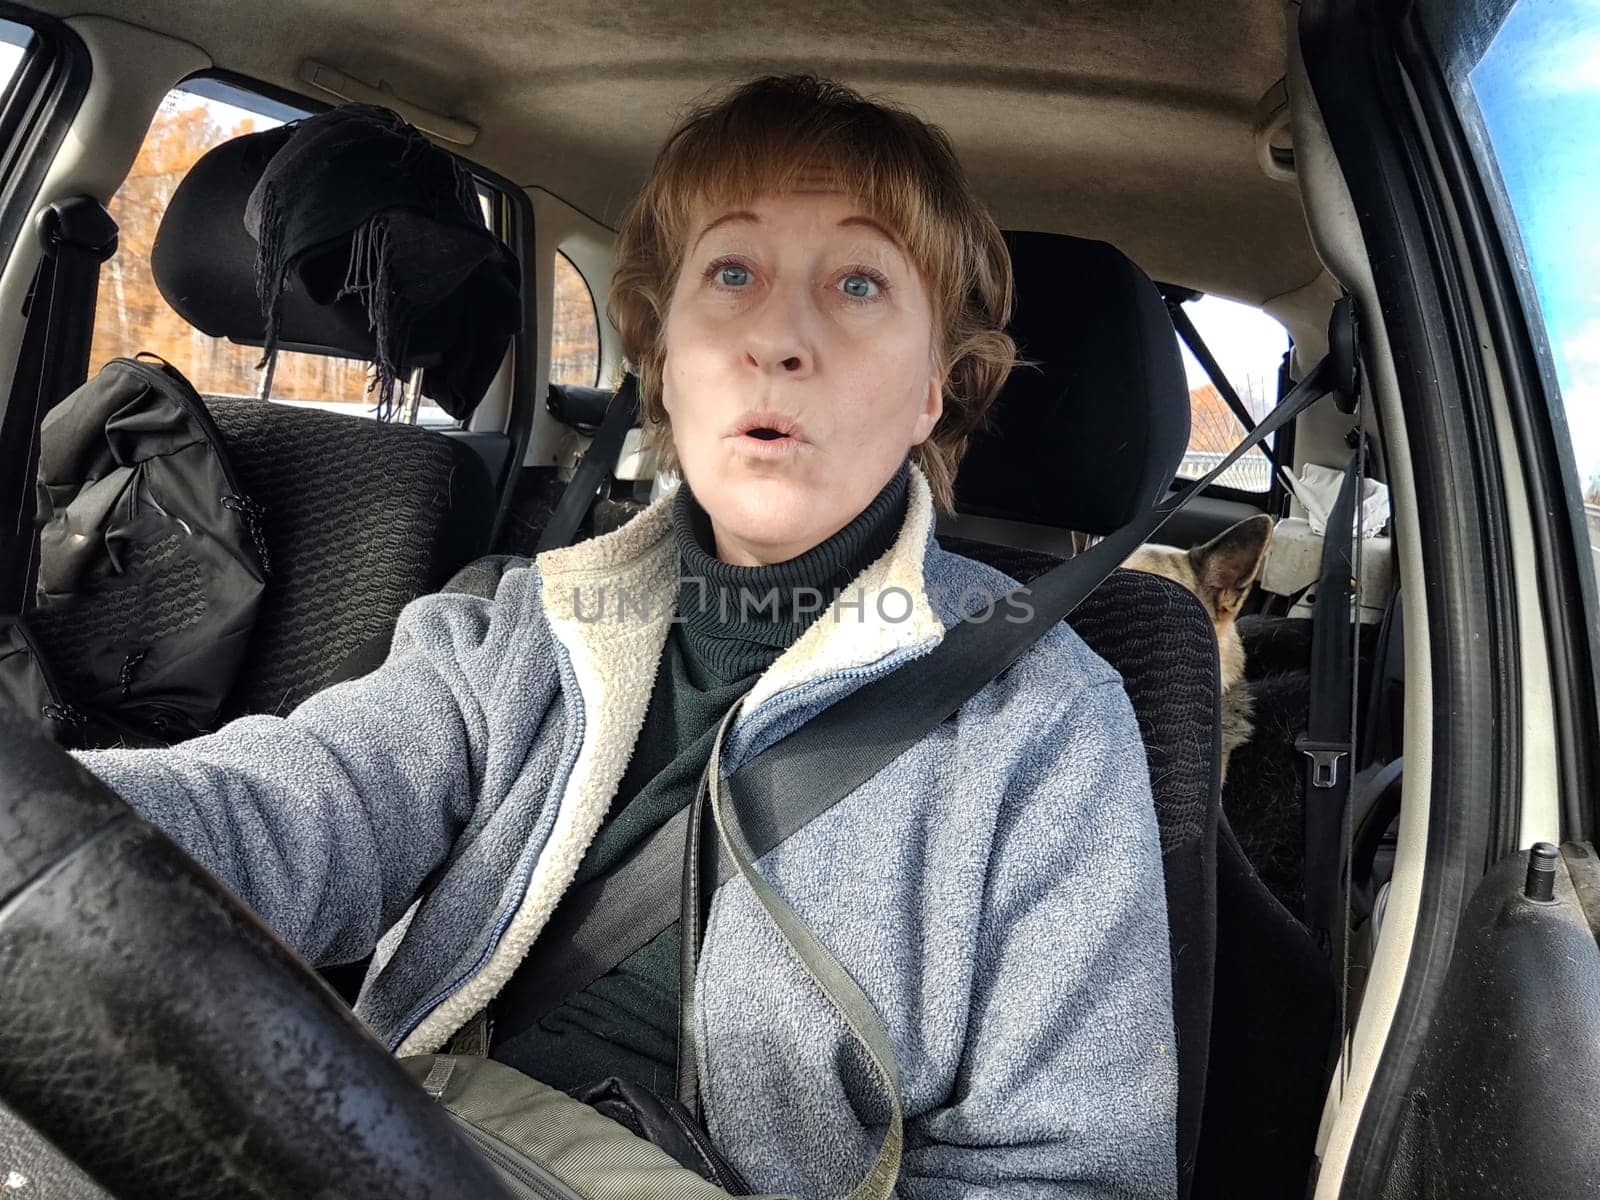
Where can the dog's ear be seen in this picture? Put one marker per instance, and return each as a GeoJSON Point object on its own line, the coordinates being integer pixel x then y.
{"type": "Point", "coordinates": [1226, 567]}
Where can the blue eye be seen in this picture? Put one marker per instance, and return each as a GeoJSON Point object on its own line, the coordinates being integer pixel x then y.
{"type": "Point", "coordinates": [859, 287]}
{"type": "Point", "coordinates": [733, 276]}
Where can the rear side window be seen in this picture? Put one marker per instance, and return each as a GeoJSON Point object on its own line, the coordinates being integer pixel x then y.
{"type": "Point", "coordinates": [14, 41]}
{"type": "Point", "coordinates": [132, 316]}
{"type": "Point", "coordinates": [574, 328]}
{"type": "Point", "coordinates": [1249, 345]}
{"type": "Point", "coordinates": [27, 65]}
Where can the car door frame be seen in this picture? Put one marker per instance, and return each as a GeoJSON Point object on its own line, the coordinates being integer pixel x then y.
{"type": "Point", "coordinates": [1440, 277]}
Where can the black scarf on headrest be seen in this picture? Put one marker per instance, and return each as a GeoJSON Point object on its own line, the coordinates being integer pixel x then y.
{"type": "Point", "coordinates": [356, 206]}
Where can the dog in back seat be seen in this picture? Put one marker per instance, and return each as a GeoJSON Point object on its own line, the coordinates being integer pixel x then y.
{"type": "Point", "coordinates": [1220, 574]}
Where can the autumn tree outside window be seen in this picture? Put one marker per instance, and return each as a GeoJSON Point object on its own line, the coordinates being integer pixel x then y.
{"type": "Point", "coordinates": [574, 328]}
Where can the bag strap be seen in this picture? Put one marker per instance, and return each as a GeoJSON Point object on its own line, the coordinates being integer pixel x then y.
{"type": "Point", "coordinates": [600, 924]}
{"type": "Point", "coordinates": [78, 235]}
{"type": "Point", "coordinates": [595, 469]}
{"type": "Point", "coordinates": [702, 858]}
{"type": "Point", "coordinates": [842, 993]}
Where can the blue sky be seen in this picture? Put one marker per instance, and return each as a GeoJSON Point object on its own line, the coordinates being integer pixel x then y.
{"type": "Point", "coordinates": [1538, 87]}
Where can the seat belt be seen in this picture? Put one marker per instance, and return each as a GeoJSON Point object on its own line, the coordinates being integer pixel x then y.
{"type": "Point", "coordinates": [1326, 742]}
{"type": "Point", "coordinates": [1208, 362]}
{"type": "Point", "coordinates": [594, 472]}
{"type": "Point", "coordinates": [1379, 743]}
{"type": "Point", "coordinates": [799, 777]}
{"type": "Point", "coordinates": [78, 235]}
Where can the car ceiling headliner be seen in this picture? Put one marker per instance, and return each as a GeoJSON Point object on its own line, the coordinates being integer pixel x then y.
{"type": "Point", "coordinates": [1127, 121]}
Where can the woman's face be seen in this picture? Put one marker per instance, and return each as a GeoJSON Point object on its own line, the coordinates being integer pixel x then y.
{"type": "Point", "coordinates": [800, 369]}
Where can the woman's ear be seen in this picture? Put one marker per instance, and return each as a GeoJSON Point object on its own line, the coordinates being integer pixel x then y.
{"type": "Point", "coordinates": [932, 409]}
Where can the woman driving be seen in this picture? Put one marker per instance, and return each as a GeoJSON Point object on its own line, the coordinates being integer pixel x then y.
{"type": "Point", "coordinates": [814, 303]}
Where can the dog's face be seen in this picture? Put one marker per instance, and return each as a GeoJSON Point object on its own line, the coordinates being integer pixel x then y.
{"type": "Point", "coordinates": [1221, 574]}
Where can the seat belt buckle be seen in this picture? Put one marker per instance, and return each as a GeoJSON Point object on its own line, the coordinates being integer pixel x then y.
{"type": "Point", "coordinates": [1325, 759]}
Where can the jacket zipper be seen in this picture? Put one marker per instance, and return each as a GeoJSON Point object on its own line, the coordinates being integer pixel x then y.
{"type": "Point", "coordinates": [527, 1178]}
{"type": "Point", "coordinates": [893, 663]}
{"type": "Point", "coordinates": [420, 1013]}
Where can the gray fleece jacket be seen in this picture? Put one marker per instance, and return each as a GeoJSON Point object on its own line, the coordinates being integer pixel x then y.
{"type": "Point", "coordinates": [996, 891]}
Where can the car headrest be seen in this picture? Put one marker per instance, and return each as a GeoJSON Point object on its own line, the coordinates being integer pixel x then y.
{"type": "Point", "coordinates": [1092, 432]}
{"type": "Point", "coordinates": [204, 264]}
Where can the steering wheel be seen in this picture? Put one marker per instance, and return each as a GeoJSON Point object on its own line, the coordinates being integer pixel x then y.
{"type": "Point", "coordinates": [163, 1039]}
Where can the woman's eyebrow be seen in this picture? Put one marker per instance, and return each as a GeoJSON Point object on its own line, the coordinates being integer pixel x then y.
{"type": "Point", "coordinates": [869, 223]}
{"type": "Point", "coordinates": [725, 218]}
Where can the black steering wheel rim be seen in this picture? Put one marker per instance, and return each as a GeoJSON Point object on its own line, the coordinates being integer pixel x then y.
{"type": "Point", "coordinates": [167, 1042]}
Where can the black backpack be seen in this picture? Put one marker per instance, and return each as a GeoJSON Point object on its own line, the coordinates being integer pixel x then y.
{"type": "Point", "coordinates": [150, 566]}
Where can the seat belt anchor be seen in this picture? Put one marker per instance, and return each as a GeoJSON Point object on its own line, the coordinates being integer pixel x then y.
{"type": "Point", "coordinates": [80, 222]}
{"type": "Point", "coordinates": [1325, 758]}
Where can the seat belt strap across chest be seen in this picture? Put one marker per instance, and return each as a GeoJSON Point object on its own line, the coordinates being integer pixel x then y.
{"type": "Point", "coordinates": [611, 917]}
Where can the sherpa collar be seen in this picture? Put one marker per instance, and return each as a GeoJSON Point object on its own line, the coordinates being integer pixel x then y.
{"type": "Point", "coordinates": [617, 594]}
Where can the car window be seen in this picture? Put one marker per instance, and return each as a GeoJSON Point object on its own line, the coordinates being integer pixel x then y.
{"type": "Point", "coordinates": [14, 41]}
{"type": "Point", "coordinates": [574, 328]}
{"type": "Point", "coordinates": [132, 316]}
{"type": "Point", "coordinates": [1528, 88]}
{"type": "Point", "coordinates": [1249, 345]}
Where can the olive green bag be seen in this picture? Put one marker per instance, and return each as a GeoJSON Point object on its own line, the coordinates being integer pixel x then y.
{"type": "Point", "coordinates": [545, 1145]}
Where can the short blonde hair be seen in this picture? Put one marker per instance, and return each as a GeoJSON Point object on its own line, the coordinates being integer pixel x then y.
{"type": "Point", "coordinates": [760, 140]}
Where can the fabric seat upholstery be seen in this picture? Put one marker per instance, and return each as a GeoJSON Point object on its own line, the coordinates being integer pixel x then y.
{"type": "Point", "coordinates": [1260, 1021]}
{"type": "Point", "coordinates": [361, 517]}
{"type": "Point", "coordinates": [1157, 636]}
{"type": "Point", "coordinates": [1089, 432]}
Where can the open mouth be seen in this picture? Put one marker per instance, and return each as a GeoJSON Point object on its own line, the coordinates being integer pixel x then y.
{"type": "Point", "coordinates": [767, 433]}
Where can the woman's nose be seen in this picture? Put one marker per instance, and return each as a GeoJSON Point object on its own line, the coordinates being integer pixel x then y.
{"type": "Point", "coordinates": [791, 364]}
{"type": "Point", "coordinates": [776, 340]}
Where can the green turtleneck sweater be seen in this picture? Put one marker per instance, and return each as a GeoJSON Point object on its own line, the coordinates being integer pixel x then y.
{"type": "Point", "coordinates": [732, 622]}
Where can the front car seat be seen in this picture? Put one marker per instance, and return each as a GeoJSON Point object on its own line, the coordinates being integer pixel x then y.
{"type": "Point", "coordinates": [360, 518]}
{"type": "Point", "coordinates": [1083, 440]}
